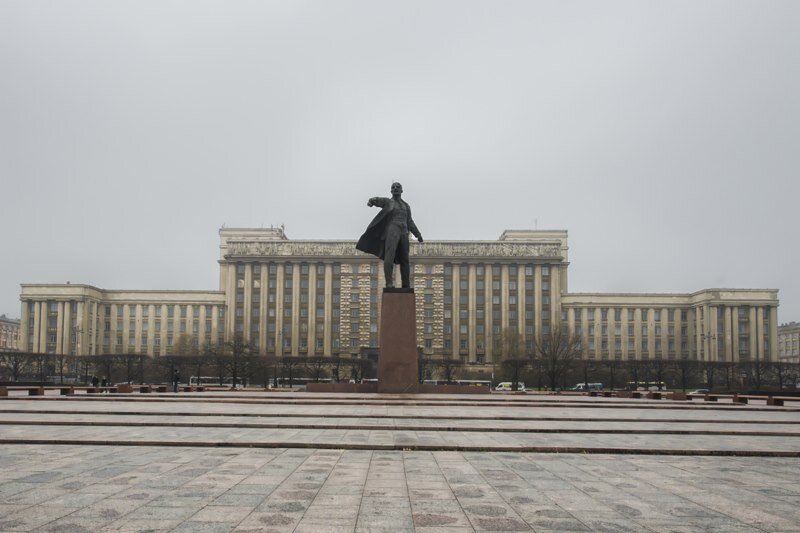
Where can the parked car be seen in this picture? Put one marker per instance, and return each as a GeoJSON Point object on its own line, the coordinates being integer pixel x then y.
{"type": "Point", "coordinates": [507, 386]}
{"type": "Point", "coordinates": [699, 392]}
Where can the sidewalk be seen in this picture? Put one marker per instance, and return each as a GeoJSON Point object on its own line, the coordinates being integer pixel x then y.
{"type": "Point", "coordinates": [188, 464]}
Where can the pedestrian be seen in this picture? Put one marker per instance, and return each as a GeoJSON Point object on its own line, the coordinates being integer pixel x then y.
{"type": "Point", "coordinates": [95, 381]}
{"type": "Point", "coordinates": [175, 380]}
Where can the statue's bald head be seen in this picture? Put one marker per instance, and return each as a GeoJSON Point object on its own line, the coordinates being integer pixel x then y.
{"type": "Point", "coordinates": [397, 188]}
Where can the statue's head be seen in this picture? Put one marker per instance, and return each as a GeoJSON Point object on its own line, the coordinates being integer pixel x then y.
{"type": "Point", "coordinates": [397, 188]}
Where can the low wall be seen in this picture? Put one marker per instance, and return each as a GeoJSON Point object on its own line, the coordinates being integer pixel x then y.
{"type": "Point", "coordinates": [419, 389]}
{"type": "Point", "coordinates": [342, 387]}
{"type": "Point", "coordinates": [453, 389]}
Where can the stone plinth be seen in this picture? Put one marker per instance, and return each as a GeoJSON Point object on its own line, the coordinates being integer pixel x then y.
{"type": "Point", "coordinates": [397, 362]}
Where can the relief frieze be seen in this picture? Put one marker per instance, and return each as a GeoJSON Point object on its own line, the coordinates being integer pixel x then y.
{"type": "Point", "coordinates": [428, 249]}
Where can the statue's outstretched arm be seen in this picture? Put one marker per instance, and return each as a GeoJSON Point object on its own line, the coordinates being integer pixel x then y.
{"type": "Point", "coordinates": [377, 200]}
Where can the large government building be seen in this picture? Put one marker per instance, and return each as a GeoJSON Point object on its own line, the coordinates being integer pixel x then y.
{"type": "Point", "coordinates": [9, 333]}
{"type": "Point", "coordinates": [322, 298]}
{"type": "Point", "coordinates": [789, 342]}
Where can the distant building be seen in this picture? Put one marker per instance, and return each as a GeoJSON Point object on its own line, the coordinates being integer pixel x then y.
{"type": "Point", "coordinates": [9, 333]}
{"type": "Point", "coordinates": [789, 342]}
{"type": "Point", "coordinates": [320, 298]}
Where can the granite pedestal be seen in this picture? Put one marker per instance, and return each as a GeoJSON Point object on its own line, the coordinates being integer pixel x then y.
{"type": "Point", "coordinates": [397, 362]}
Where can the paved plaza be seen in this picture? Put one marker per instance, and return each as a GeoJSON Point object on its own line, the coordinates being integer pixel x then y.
{"type": "Point", "coordinates": [239, 461]}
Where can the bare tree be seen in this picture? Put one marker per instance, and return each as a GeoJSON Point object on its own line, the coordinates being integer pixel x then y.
{"type": "Point", "coordinates": [290, 366]}
{"type": "Point", "coordinates": [61, 361]}
{"type": "Point", "coordinates": [556, 352]}
{"type": "Point", "coordinates": [655, 367]}
{"type": "Point", "coordinates": [104, 365]}
{"type": "Point", "coordinates": [613, 366]}
{"type": "Point", "coordinates": [41, 363]}
{"type": "Point", "coordinates": [15, 363]}
{"type": "Point", "coordinates": [232, 358]}
{"type": "Point", "coordinates": [685, 368]}
{"type": "Point", "coordinates": [316, 367]}
{"type": "Point", "coordinates": [709, 368]}
{"type": "Point", "coordinates": [358, 367]}
{"type": "Point", "coordinates": [449, 368]}
{"type": "Point", "coordinates": [133, 362]}
{"type": "Point", "coordinates": [336, 367]}
{"type": "Point", "coordinates": [786, 374]}
{"type": "Point", "coordinates": [424, 366]}
{"type": "Point", "coordinates": [512, 353]}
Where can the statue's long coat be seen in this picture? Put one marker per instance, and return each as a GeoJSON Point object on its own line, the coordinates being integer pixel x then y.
{"type": "Point", "coordinates": [374, 239]}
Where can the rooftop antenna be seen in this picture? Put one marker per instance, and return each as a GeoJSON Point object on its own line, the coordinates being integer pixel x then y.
{"type": "Point", "coordinates": [535, 223]}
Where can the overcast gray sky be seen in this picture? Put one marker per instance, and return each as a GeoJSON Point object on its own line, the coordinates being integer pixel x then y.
{"type": "Point", "coordinates": [664, 136]}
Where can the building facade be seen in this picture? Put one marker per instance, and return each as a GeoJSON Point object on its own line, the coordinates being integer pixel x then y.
{"type": "Point", "coordinates": [322, 298]}
{"type": "Point", "coordinates": [789, 342]}
{"type": "Point", "coordinates": [9, 333]}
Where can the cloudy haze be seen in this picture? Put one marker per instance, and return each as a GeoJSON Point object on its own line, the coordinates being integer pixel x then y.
{"type": "Point", "coordinates": [662, 135]}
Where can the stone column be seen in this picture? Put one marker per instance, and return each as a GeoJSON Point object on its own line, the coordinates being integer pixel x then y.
{"type": "Point", "coordinates": [728, 334]}
{"type": "Point", "coordinates": [60, 327]}
{"type": "Point", "coordinates": [504, 305]}
{"type": "Point", "coordinates": [555, 296]}
{"type": "Point", "coordinates": [537, 302]}
{"type": "Point", "coordinates": [651, 333]}
{"type": "Point", "coordinates": [41, 328]}
{"type": "Point", "coordinates": [713, 327]}
{"type": "Point", "coordinates": [735, 334]}
{"type": "Point", "coordinates": [691, 347]}
{"type": "Point", "coordinates": [205, 311]}
{"type": "Point", "coordinates": [571, 321]}
{"type": "Point", "coordinates": [521, 303]}
{"type": "Point", "coordinates": [637, 332]}
{"type": "Point", "coordinates": [230, 313]}
{"type": "Point", "coordinates": [610, 336]}
{"type": "Point", "coordinates": [456, 306]}
{"type": "Point", "coordinates": [753, 329]}
{"type": "Point", "coordinates": [584, 333]}
{"type": "Point", "coordinates": [760, 332]}
{"type": "Point", "coordinates": [699, 339]}
{"type": "Point", "coordinates": [487, 312]}
{"type": "Point", "coordinates": [472, 306]}
{"type": "Point", "coordinates": [264, 306]}
{"type": "Point", "coordinates": [279, 282]}
{"type": "Point", "coordinates": [328, 334]}
{"type": "Point", "coordinates": [214, 324]}
{"type": "Point", "coordinates": [138, 320]}
{"type": "Point", "coordinates": [773, 333]}
{"type": "Point", "coordinates": [248, 301]}
{"type": "Point", "coordinates": [24, 326]}
{"type": "Point", "coordinates": [296, 309]}
{"type": "Point", "coordinates": [312, 310]}
{"type": "Point", "coordinates": [624, 333]}
{"type": "Point", "coordinates": [598, 329]}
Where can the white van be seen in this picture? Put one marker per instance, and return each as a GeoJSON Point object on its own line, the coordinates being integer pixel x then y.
{"type": "Point", "coordinates": [583, 386]}
{"type": "Point", "coordinates": [507, 386]}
